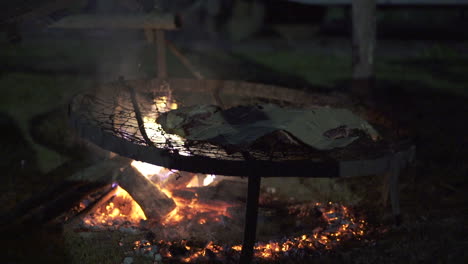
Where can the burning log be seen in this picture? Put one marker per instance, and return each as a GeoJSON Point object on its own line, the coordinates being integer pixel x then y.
{"type": "Point", "coordinates": [151, 199]}
{"type": "Point", "coordinates": [111, 191]}
{"type": "Point", "coordinates": [48, 205]}
{"type": "Point", "coordinates": [178, 180]}
{"type": "Point", "coordinates": [43, 209]}
{"type": "Point", "coordinates": [226, 190]}
{"type": "Point", "coordinates": [185, 194]}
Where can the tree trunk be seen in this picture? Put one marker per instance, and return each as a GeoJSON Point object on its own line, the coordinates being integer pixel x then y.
{"type": "Point", "coordinates": [363, 47]}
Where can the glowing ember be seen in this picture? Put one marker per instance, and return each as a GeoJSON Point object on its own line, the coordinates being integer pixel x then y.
{"type": "Point", "coordinates": [342, 228]}
{"type": "Point", "coordinates": [147, 169]}
{"type": "Point", "coordinates": [121, 208]}
{"type": "Point", "coordinates": [192, 209]}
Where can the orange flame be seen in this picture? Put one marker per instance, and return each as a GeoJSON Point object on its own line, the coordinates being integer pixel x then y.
{"type": "Point", "coordinates": [121, 208]}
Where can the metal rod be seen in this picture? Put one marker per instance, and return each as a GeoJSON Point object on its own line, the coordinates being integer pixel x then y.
{"type": "Point", "coordinates": [386, 188]}
{"type": "Point", "coordinates": [394, 192]}
{"type": "Point", "coordinates": [251, 213]}
{"type": "Point", "coordinates": [136, 108]}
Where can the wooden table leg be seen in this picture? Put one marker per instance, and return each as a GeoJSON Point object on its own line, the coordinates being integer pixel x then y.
{"type": "Point", "coordinates": [250, 228]}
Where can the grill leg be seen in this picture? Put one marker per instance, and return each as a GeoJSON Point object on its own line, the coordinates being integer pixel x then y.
{"type": "Point", "coordinates": [390, 188]}
{"type": "Point", "coordinates": [394, 191]}
{"type": "Point", "coordinates": [250, 228]}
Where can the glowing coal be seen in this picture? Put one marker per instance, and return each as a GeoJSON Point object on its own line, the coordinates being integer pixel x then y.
{"type": "Point", "coordinates": [341, 226]}
{"type": "Point", "coordinates": [120, 209]}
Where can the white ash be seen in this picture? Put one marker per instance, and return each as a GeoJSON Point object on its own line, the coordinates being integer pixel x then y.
{"type": "Point", "coordinates": [127, 260]}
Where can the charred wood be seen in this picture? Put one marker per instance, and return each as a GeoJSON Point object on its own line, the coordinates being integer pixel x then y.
{"type": "Point", "coordinates": [45, 207]}
{"type": "Point", "coordinates": [185, 194]}
{"type": "Point", "coordinates": [178, 180]}
{"type": "Point", "coordinates": [226, 190]}
{"type": "Point", "coordinates": [105, 197]}
{"type": "Point", "coordinates": [47, 211]}
{"type": "Point", "coordinates": [151, 199]}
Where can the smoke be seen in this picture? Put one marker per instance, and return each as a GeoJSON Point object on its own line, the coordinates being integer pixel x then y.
{"type": "Point", "coordinates": [125, 59]}
{"type": "Point", "coordinates": [124, 51]}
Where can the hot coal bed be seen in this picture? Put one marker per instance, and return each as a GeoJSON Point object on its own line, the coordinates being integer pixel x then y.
{"type": "Point", "coordinates": [189, 197]}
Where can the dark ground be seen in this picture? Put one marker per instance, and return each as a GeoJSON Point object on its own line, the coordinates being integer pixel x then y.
{"type": "Point", "coordinates": [433, 190]}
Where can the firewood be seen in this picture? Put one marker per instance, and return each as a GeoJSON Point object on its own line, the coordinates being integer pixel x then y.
{"type": "Point", "coordinates": [108, 194]}
{"type": "Point", "coordinates": [151, 199]}
{"type": "Point", "coordinates": [44, 207]}
{"type": "Point", "coordinates": [236, 212]}
{"type": "Point", "coordinates": [178, 180]}
{"type": "Point", "coordinates": [184, 194]}
{"type": "Point", "coordinates": [226, 190]}
{"type": "Point", "coordinates": [46, 211]}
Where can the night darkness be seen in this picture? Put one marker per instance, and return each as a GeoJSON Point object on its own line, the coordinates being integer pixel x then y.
{"type": "Point", "coordinates": [402, 65]}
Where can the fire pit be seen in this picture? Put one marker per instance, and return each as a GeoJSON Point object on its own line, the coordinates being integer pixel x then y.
{"type": "Point", "coordinates": [121, 117]}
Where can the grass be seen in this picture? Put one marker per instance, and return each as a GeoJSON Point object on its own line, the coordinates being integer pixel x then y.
{"type": "Point", "coordinates": [438, 67]}
{"type": "Point", "coordinates": [52, 55]}
{"type": "Point", "coordinates": [43, 74]}
{"type": "Point", "coordinates": [316, 69]}
{"type": "Point", "coordinates": [26, 95]}
{"type": "Point", "coordinates": [39, 76]}
{"type": "Point", "coordinates": [93, 247]}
